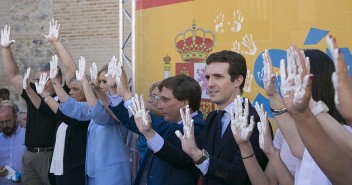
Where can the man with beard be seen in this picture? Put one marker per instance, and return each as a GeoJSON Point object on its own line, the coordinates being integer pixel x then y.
{"type": "Point", "coordinates": [12, 145]}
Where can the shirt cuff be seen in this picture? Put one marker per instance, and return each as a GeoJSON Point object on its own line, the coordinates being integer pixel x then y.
{"type": "Point", "coordinates": [155, 143]}
{"type": "Point", "coordinates": [127, 104]}
{"type": "Point", "coordinates": [204, 166]}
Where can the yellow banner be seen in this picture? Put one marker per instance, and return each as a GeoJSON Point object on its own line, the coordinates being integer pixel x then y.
{"type": "Point", "coordinates": [246, 26]}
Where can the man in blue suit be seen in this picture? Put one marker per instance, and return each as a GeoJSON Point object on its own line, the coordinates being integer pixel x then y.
{"type": "Point", "coordinates": [214, 152]}
{"type": "Point", "coordinates": [175, 92]}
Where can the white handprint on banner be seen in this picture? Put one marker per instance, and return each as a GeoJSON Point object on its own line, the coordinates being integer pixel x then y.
{"type": "Point", "coordinates": [237, 21]}
{"type": "Point", "coordinates": [248, 42]}
{"type": "Point", "coordinates": [219, 22]}
{"type": "Point", "coordinates": [248, 83]}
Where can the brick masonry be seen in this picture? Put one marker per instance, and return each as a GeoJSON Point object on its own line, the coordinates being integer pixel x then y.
{"type": "Point", "coordinates": [88, 28]}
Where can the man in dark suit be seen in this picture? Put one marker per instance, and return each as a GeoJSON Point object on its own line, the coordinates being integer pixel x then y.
{"type": "Point", "coordinates": [175, 92]}
{"type": "Point", "coordinates": [216, 153]}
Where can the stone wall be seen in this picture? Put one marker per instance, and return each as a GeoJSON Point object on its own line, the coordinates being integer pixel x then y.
{"type": "Point", "coordinates": [88, 28]}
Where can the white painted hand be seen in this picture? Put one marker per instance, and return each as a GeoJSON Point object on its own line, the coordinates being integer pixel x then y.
{"type": "Point", "coordinates": [187, 121]}
{"type": "Point", "coordinates": [239, 124]}
{"type": "Point", "coordinates": [237, 21]}
{"type": "Point", "coordinates": [262, 124]}
{"type": "Point", "coordinates": [138, 110]}
{"type": "Point", "coordinates": [342, 81]}
{"type": "Point", "coordinates": [42, 81]}
{"type": "Point", "coordinates": [81, 68]}
{"type": "Point", "coordinates": [293, 82]}
{"type": "Point", "coordinates": [25, 83]}
{"type": "Point", "coordinates": [5, 37]}
{"type": "Point", "coordinates": [269, 79]}
{"type": "Point", "coordinates": [248, 42]}
{"type": "Point", "coordinates": [112, 67]}
{"type": "Point", "coordinates": [330, 42]}
{"type": "Point", "coordinates": [93, 72]}
{"type": "Point", "coordinates": [53, 31]}
{"type": "Point", "coordinates": [53, 67]}
{"type": "Point", "coordinates": [118, 73]}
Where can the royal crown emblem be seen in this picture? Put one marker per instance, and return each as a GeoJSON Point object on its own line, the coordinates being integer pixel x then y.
{"type": "Point", "coordinates": [195, 44]}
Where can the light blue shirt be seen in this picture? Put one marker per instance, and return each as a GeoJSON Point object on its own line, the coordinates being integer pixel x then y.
{"type": "Point", "coordinates": [12, 149]}
{"type": "Point", "coordinates": [107, 155]}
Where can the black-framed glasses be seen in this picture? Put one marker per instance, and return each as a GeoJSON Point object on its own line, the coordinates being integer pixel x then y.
{"type": "Point", "coordinates": [155, 97]}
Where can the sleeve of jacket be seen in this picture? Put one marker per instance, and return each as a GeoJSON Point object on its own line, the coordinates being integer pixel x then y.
{"type": "Point", "coordinates": [121, 113]}
{"type": "Point", "coordinates": [175, 156]}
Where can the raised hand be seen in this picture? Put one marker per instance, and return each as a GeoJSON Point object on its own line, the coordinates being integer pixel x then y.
{"type": "Point", "coordinates": [112, 67]}
{"type": "Point", "coordinates": [5, 37]}
{"type": "Point", "coordinates": [269, 78]}
{"type": "Point", "coordinates": [187, 139]}
{"type": "Point", "coordinates": [81, 68]}
{"type": "Point", "coordinates": [187, 122]}
{"type": "Point", "coordinates": [248, 42]}
{"type": "Point", "coordinates": [42, 81]}
{"type": "Point", "coordinates": [138, 109]}
{"type": "Point", "coordinates": [118, 73]}
{"type": "Point", "coordinates": [341, 80]}
{"type": "Point", "coordinates": [239, 124]}
{"type": "Point", "coordinates": [141, 116]}
{"type": "Point", "coordinates": [295, 86]}
{"type": "Point", "coordinates": [53, 67]}
{"type": "Point", "coordinates": [262, 125]}
{"type": "Point", "coordinates": [93, 72]}
{"type": "Point", "coordinates": [25, 83]}
{"type": "Point", "coordinates": [53, 31]}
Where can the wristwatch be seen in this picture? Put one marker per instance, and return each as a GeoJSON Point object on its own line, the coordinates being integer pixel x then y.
{"type": "Point", "coordinates": [205, 156]}
{"type": "Point", "coordinates": [319, 108]}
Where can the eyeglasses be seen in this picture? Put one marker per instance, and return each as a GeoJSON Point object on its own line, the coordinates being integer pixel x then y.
{"type": "Point", "coordinates": [155, 97]}
{"type": "Point", "coordinates": [6, 122]}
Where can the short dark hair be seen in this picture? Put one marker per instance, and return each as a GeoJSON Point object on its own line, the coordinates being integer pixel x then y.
{"type": "Point", "coordinates": [322, 67]}
{"type": "Point", "coordinates": [184, 87]}
{"type": "Point", "coordinates": [236, 61]}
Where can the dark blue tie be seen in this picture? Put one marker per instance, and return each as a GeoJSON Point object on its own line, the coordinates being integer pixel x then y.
{"type": "Point", "coordinates": [217, 139]}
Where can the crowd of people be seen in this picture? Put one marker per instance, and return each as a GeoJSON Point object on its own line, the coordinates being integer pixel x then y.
{"type": "Point", "coordinates": [77, 124]}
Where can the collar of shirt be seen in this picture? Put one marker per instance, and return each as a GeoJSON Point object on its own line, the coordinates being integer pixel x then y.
{"type": "Point", "coordinates": [114, 100]}
{"type": "Point", "coordinates": [192, 115]}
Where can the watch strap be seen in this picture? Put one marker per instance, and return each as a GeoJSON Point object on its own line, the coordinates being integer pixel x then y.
{"type": "Point", "coordinates": [205, 156]}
